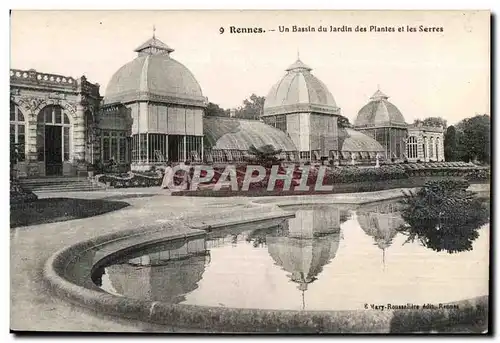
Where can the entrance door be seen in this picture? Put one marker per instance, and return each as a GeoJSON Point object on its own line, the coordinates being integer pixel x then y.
{"type": "Point", "coordinates": [53, 150]}
{"type": "Point", "coordinates": [175, 148]}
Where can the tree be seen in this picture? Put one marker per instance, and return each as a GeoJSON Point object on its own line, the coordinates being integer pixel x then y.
{"type": "Point", "coordinates": [443, 216]}
{"type": "Point", "coordinates": [214, 110]}
{"type": "Point", "coordinates": [434, 121]}
{"type": "Point", "coordinates": [431, 121]}
{"type": "Point", "coordinates": [450, 144]}
{"type": "Point", "coordinates": [474, 138]}
{"type": "Point", "coordinates": [343, 122]}
{"type": "Point", "coordinates": [265, 155]}
{"type": "Point", "coordinates": [252, 107]}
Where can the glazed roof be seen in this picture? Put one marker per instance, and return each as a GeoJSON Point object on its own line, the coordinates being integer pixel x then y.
{"type": "Point", "coordinates": [303, 258]}
{"type": "Point", "coordinates": [379, 112]}
{"type": "Point", "coordinates": [299, 90]}
{"type": "Point", "coordinates": [158, 282]}
{"type": "Point", "coordinates": [354, 141]}
{"type": "Point", "coordinates": [154, 75]}
{"type": "Point", "coordinates": [381, 223]}
{"type": "Point", "coordinates": [240, 134]}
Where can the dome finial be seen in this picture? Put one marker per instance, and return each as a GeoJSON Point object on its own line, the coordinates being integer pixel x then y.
{"type": "Point", "coordinates": [298, 54]}
{"type": "Point", "coordinates": [379, 95]}
{"type": "Point", "coordinates": [154, 46]}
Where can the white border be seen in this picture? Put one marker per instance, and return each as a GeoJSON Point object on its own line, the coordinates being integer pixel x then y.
{"type": "Point", "coordinates": [492, 5]}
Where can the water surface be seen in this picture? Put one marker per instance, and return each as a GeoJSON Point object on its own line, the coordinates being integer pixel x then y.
{"type": "Point", "coordinates": [326, 258]}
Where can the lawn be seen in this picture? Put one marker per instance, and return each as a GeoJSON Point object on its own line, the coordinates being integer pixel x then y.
{"type": "Point", "coordinates": [355, 187]}
{"type": "Point", "coordinates": [51, 210]}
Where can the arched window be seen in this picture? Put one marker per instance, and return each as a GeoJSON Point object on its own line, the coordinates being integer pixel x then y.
{"type": "Point", "coordinates": [431, 148]}
{"type": "Point", "coordinates": [437, 149]}
{"type": "Point", "coordinates": [424, 148]}
{"type": "Point", "coordinates": [412, 147]}
{"type": "Point", "coordinates": [54, 117]}
{"type": "Point", "coordinates": [17, 132]}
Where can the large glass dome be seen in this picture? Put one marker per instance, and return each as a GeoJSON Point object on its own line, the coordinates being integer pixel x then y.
{"type": "Point", "coordinates": [154, 75]}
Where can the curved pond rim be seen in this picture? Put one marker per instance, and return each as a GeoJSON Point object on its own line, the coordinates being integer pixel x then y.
{"type": "Point", "coordinates": [220, 319]}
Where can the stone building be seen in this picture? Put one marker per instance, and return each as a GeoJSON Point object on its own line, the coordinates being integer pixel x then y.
{"type": "Point", "coordinates": [153, 111]}
{"type": "Point", "coordinates": [156, 102]}
{"type": "Point", "coordinates": [52, 118]}
{"type": "Point", "coordinates": [383, 121]}
{"type": "Point", "coordinates": [302, 106]}
{"type": "Point", "coordinates": [425, 143]}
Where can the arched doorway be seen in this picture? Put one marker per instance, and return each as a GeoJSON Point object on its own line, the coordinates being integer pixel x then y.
{"type": "Point", "coordinates": [53, 140]}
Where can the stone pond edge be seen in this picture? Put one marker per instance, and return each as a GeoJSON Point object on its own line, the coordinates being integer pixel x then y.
{"type": "Point", "coordinates": [236, 320]}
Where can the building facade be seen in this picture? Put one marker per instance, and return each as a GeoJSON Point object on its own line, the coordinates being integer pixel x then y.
{"type": "Point", "coordinates": [425, 143]}
{"type": "Point", "coordinates": [153, 112]}
{"type": "Point", "coordinates": [383, 121]}
{"type": "Point", "coordinates": [156, 102]}
{"type": "Point", "coordinates": [303, 107]}
{"type": "Point", "coordinates": [52, 119]}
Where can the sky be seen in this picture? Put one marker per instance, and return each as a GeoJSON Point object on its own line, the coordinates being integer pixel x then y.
{"type": "Point", "coordinates": [426, 74]}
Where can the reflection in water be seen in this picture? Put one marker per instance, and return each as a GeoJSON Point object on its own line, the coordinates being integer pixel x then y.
{"type": "Point", "coordinates": [303, 258]}
{"type": "Point", "coordinates": [165, 273]}
{"type": "Point", "coordinates": [444, 216]}
{"type": "Point", "coordinates": [304, 244]}
{"type": "Point", "coordinates": [283, 264]}
{"type": "Point", "coordinates": [381, 221]}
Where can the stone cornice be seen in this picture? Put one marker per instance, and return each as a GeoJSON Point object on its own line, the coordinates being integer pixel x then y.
{"type": "Point", "coordinates": [165, 98]}
{"type": "Point", "coordinates": [299, 108]}
{"type": "Point", "coordinates": [31, 79]}
{"type": "Point", "coordinates": [435, 129]}
{"type": "Point", "coordinates": [392, 126]}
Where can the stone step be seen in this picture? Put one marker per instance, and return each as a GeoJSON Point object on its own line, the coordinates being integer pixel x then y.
{"type": "Point", "coordinates": [67, 190]}
{"type": "Point", "coordinates": [54, 182]}
{"type": "Point", "coordinates": [60, 184]}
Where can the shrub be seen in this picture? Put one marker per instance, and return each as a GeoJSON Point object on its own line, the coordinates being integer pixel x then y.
{"type": "Point", "coordinates": [20, 195]}
{"type": "Point", "coordinates": [478, 175]}
{"type": "Point", "coordinates": [130, 180]}
{"type": "Point", "coordinates": [443, 215]}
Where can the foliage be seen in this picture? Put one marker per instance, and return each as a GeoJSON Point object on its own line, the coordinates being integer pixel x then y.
{"type": "Point", "coordinates": [20, 195]}
{"type": "Point", "coordinates": [131, 180]}
{"type": "Point", "coordinates": [339, 188]}
{"type": "Point", "coordinates": [265, 155]}
{"type": "Point", "coordinates": [443, 215]}
{"type": "Point", "coordinates": [435, 121]}
{"type": "Point", "coordinates": [431, 121]}
{"type": "Point", "coordinates": [355, 174]}
{"type": "Point", "coordinates": [450, 144]}
{"type": "Point", "coordinates": [478, 175]}
{"type": "Point", "coordinates": [214, 110]}
{"type": "Point", "coordinates": [252, 108]}
{"type": "Point", "coordinates": [343, 122]}
{"type": "Point", "coordinates": [439, 168]}
{"type": "Point", "coordinates": [52, 210]}
{"type": "Point", "coordinates": [473, 139]}
{"type": "Point", "coordinates": [15, 148]}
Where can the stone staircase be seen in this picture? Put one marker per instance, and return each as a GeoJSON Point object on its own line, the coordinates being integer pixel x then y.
{"type": "Point", "coordinates": [60, 184]}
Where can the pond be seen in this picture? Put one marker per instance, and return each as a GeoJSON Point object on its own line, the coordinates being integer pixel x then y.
{"type": "Point", "coordinates": [326, 258]}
